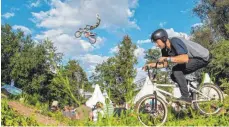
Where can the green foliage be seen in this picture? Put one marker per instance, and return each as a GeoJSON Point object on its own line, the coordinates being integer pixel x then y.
{"type": "Point", "coordinates": [10, 118]}
{"type": "Point", "coordinates": [219, 66]}
{"type": "Point", "coordinates": [33, 65]}
{"type": "Point", "coordinates": [125, 71]}
{"type": "Point", "coordinates": [203, 35]}
{"type": "Point", "coordinates": [66, 84]}
{"type": "Point", "coordinates": [117, 73]}
{"type": "Point", "coordinates": [10, 45]}
{"type": "Point", "coordinates": [27, 62]}
{"type": "Point", "coordinates": [215, 12]}
{"type": "Point", "coordinates": [152, 55]}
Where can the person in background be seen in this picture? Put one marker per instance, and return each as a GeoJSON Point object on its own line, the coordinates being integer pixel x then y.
{"type": "Point", "coordinates": [121, 109]}
{"type": "Point", "coordinates": [98, 111]}
{"type": "Point", "coordinates": [83, 112]}
{"type": "Point", "coordinates": [72, 111]}
{"type": "Point", "coordinates": [66, 112]}
{"type": "Point", "coordinates": [54, 106]}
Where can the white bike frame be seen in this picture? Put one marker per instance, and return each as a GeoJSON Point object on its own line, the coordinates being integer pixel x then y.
{"type": "Point", "coordinates": [163, 92]}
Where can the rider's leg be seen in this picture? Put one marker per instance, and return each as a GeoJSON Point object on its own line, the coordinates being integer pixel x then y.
{"type": "Point", "coordinates": [180, 70]}
{"type": "Point", "coordinates": [194, 64]}
{"type": "Point", "coordinates": [178, 76]}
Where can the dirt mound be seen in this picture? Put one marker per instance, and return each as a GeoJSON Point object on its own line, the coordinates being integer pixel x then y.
{"type": "Point", "coordinates": [28, 112]}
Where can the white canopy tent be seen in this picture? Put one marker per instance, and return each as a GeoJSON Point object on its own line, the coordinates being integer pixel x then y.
{"type": "Point", "coordinates": [147, 89]}
{"type": "Point", "coordinates": [97, 96]}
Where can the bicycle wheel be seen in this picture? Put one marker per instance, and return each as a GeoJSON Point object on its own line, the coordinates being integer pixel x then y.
{"type": "Point", "coordinates": [209, 101]}
{"type": "Point", "coordinates": [151, 112]}
{"type": "Point", "coordinates": [92, 39]}
{"type": "Point", "coordinates": [78, 34]}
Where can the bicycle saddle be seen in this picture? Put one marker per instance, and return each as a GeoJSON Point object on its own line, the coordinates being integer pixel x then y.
{"type": "Point", "coordinates": [191, 77]}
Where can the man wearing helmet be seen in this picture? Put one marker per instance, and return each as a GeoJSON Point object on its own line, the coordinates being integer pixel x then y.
{"type": "Point", "coordinates": [188, 55]}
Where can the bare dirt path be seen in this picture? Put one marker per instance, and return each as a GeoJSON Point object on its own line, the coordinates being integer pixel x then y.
{"type": "Point", "coordinates": [28, 112]}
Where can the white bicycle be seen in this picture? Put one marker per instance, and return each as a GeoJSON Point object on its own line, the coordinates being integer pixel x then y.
{"type": "Point", "coordinates": [152, 108]}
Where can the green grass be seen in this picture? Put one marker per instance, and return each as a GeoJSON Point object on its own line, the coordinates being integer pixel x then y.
{"type": "Point", "coordinates": [188, 117]}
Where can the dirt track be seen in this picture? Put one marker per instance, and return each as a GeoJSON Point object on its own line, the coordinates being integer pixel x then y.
{"type": "Point", "coordinates": [28, 112]}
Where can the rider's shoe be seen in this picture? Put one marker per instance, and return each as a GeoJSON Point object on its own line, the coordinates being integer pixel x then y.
{"type": "Point", "coordinates": [185, 100]}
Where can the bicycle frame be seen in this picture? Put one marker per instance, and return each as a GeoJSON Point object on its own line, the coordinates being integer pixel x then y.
{"type": "Point", "coordinates": [163, 92]}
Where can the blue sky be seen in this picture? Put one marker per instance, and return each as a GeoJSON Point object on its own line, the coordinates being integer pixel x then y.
{"type": "Point", "coordinates": [59, 19]}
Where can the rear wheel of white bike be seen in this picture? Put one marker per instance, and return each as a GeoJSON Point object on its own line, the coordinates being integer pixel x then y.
{"type": "Point", "coordinates": [209, 101]}
{"type": "Point", "coordinates": [151, 111]}
{"type": "Point", "coordinates": [92, 39]}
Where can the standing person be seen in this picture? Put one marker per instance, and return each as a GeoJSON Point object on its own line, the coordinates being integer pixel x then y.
{"type": "Point", "coordinates": [66, 112]}
{"type": "Point", "coordinates": [188, 56]}
{"type": "Point", "coordinates": [83, 112]}
{"type": "Point", "coordinates": [98, 111]}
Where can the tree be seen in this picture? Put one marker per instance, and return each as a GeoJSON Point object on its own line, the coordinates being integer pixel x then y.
{"type": "Point", "coordinates": [105, 73]}
{"type": "Point", "coordinates": [10, 45]}
{"type": "Point", "coordinates": [219, 66]}
{"type": "Point", "coordinates": [216, 14]}
{"type": "Point", "coordinates": [117, 73]}
{"type": "Point", "coordinates": [152, 55]}
{"type": "Point", "coordinates": [67, 82]}
{"type": "Point", "coordinates": [125, 71]}
{"type": "Point", "coordinates": [28, 63]}
{"type": "Point", "coordinates": [204, 36]}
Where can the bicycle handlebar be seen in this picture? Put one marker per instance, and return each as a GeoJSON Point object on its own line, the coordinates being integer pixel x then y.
{"type": "Point", "coordinates": [148, 70]}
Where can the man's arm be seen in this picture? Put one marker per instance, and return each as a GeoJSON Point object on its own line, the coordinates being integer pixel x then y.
{"type": "Point", "coordinates": [159, 64]}
{"type": "Point", "coordinates": [183, 58]}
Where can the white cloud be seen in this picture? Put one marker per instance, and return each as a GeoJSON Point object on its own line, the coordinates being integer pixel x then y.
{"type": "Point", "coordinates": [89, 61]}
{"type": "Point", "coordinates": [162, 24]}
{"type": "Point", "coordinates": [133, 3]}
{"type": "Point", "coordinates": [143, 41]}
{"type": "Point", "coordinates": [99, 41]}
{"type": "Point", "coordinates": [69, 45]}
{"type": "Point", "coordinates": [114, 50]}
{"type": "Point", "coordinates": [130, 13]}
{"type": "Point", "coordinates": [173, 33]}
{"type": "Point", "coordinates": [65, 17]}
{"type": "Point", "coordinates": [139, 52]}
{"type": "Point", "coordinates": [74, 14]}
{"type": "Point", "coordinates": [8, 15]}
{"type": "Point", "coordinates": [22, 28]}
{"type": "Point", "coordinates": [197, 25]}
{"type": "Point", "coordinates": [35, 4]}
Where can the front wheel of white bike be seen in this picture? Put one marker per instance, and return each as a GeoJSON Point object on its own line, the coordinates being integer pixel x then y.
{"type": "Point", "coordinates": [78, 34]}
{"type": "Point", "coordinates": [210, 99]}
{"type": "Point", "coordinates": [151, 111]}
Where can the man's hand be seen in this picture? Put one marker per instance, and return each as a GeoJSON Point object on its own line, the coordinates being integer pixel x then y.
{"type": "Point", "coordinates": [145, 67]}
{"type": "Point", "coordinates": [162, 59]}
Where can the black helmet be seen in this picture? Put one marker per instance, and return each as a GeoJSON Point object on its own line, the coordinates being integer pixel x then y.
{"type": "Point", "coordinates": [159, 34]}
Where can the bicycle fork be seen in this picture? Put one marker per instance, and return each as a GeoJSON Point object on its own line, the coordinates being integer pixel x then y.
{"type": "Point", "coordinates": [154, 102]}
